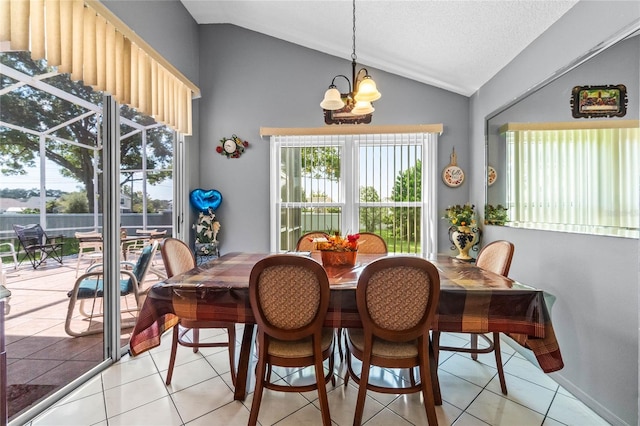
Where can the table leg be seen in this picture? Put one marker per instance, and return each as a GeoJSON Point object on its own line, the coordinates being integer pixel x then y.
{"type": "Point", "coordinates": [243, 377]}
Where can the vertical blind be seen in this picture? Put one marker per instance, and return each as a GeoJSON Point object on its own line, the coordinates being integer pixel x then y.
{"type": "Point", "coordinates": [87, 41]}
{"type": "Point", "coordinates": [382, 183]}
{"type": "Point", "coordinates": [585, 177]}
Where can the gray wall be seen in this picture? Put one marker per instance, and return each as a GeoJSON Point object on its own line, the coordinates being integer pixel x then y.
{"type": "Point", "coordinates": [250, 80]}
{"type": "Point", "coordinates": [594, 278]}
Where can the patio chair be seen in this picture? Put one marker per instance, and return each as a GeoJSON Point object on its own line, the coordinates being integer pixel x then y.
{"type": "Point", "coordinates": [89, 246]}
{"type": "Point", "coordinates": [289, 297]}
{"type": "Point", "coordinates": [494, 257]}
{"type": "Point", "coordinates": [178, 258]}
{"type": "Point", "coordinates": [37, 245]}
{"type": "Point", "coordinates": [89, 291]}
{"type": "Point", "coordinates": [397, 299]}
{"type": "Point", "coordinates": [10, 250]}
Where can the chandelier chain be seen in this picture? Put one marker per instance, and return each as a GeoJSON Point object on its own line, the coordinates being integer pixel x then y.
{"type": "Point", "coordinates": [353, 55]}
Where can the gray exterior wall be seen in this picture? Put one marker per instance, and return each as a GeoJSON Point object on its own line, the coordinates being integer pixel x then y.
{"type": "Point", "coordinates": [249, 80]}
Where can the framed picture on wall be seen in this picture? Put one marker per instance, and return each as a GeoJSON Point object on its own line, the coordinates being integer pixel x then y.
{"type": "Point", "coordinates": [599, 101]}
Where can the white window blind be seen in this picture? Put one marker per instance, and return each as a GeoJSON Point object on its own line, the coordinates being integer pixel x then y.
{"type": "Point", "coordinates": [581, 177]}
{"type": "Point", "coordinates": [381, 183]}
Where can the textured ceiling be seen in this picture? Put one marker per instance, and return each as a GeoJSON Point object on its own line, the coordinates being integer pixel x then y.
{"type": "Point", "coordinates": [454, 45]}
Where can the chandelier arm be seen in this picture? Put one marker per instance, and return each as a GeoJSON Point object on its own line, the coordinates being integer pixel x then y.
{"type": "Point", "coordinates": [346, 78]}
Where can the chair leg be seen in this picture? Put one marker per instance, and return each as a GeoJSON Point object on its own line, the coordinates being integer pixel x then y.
{"type": "Point", "coordinates": [474, 346]}
{"type": "Point", "coordinates": [496, 349]}
{"type": "Point", "coordinates": [435, 341]}
{"type": "Point", "coordinates": [322, 388]}
{"type": "Point", "coordinates": [433, 369]}
{"type": "Point", "coordinates": [412, 377]}
{"type": "Point", "coordinates": [427, 388]}
{"type": "Point", "coordinates": [362, 389]}
{"type": "Point", "coordinates": [257, 393]}
{"type": "Point", "coordinates": [339, 334]}
{"type": "Point", "coordinates": [195, 332]}
{"type": "Point", "coordinates": [78, 263]}
{"type": "Point", "coordinates": [174, 349]}
{"type": "Point", "coordinates": [232, 352]}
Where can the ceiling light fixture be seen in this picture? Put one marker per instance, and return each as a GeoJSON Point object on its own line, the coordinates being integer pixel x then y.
{"type": "Point", "coordinates": [355, 106]}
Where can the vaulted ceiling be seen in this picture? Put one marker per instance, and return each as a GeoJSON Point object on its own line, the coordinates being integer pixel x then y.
{"type": "Point", "coordinates": [451, 44]}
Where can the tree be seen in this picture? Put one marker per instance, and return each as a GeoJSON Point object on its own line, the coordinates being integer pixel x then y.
{"type": "Point", "coordinates": [408, 187]}
{"type": "Point", "coordinates": [38, 110]}
{"type": "Point", "coordinates": [321, 162]}
{"type": "Point", "coordinates": [369, 216]}
{"type": "Point", "coordinates": [75, 202]}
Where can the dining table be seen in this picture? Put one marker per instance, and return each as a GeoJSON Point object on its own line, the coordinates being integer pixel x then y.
{"type": "Point", "coordinates": [472, 300]}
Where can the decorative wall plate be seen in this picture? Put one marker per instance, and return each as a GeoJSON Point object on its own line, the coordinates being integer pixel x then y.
{"type": "Point", "coordinates": [492, 175]}
{"type": "Point", "coordinates": [452, 175]}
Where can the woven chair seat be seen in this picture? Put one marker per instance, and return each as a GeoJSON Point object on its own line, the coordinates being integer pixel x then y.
{"type": "Point", "coordinates": [299, 348]}
{"type": "Point", "coordinates": [384, 348]}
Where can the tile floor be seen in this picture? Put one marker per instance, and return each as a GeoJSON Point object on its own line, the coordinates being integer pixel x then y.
{"type": "Point", "coordinates": [132, 392]}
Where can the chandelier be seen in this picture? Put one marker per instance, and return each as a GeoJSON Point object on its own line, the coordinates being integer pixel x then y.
{"type": "Point", "coordinates": [355, 106]}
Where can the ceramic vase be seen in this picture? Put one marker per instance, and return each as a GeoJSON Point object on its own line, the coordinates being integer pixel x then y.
{"type": "Point", "coordinates": [464, 238]}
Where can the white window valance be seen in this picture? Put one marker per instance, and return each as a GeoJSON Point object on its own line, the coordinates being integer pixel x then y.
{"type": "Point", "coordinates": [86, 40]}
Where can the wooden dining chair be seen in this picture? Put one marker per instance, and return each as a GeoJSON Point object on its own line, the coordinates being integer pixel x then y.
{"type": "Point", "coordinates": [495, 257]}
{"type": "Point", "coordinates": [397, 299]}
{"type": "Point", "coordinates": [370, 243]}
{"type": "Point", "coordinates": [178, 258]}
{"type": "Point", "coordinates": [305, 242]}
{"type": "Point", "coordinates": [289, 297]}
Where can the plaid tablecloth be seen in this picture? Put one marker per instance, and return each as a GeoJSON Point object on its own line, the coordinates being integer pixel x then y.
{"type": "Point", "coordinates": [471, 300]}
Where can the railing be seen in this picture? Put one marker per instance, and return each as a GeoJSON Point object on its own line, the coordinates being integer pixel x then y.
{"type": "Point", "coordinates": [67, 225]}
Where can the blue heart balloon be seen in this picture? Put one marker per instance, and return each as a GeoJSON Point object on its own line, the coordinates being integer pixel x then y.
{"type": "Point", "coordinates": [203, 200]}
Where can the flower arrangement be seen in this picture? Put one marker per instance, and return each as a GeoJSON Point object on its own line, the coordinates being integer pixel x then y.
{"type": "Point", "coordinates": [207, 227]}
{"type": "Point", "coordinates": [495, 215]}
{"type": "Point", "coordinates": [461, 215]}
{"type": "Point", "coordinates": [338, 243]}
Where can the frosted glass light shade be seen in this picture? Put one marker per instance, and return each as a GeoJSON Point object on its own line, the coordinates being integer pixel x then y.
{"type": "Point", "coordinates": [332, 100]}
{"type": "Point", "coordinates": [362, 108]}
{"type": "Point", "coordinates": [367, 90]}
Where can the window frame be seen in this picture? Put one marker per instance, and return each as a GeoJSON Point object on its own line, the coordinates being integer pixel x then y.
{"type": "Point", "coordinates": [349, 167]}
